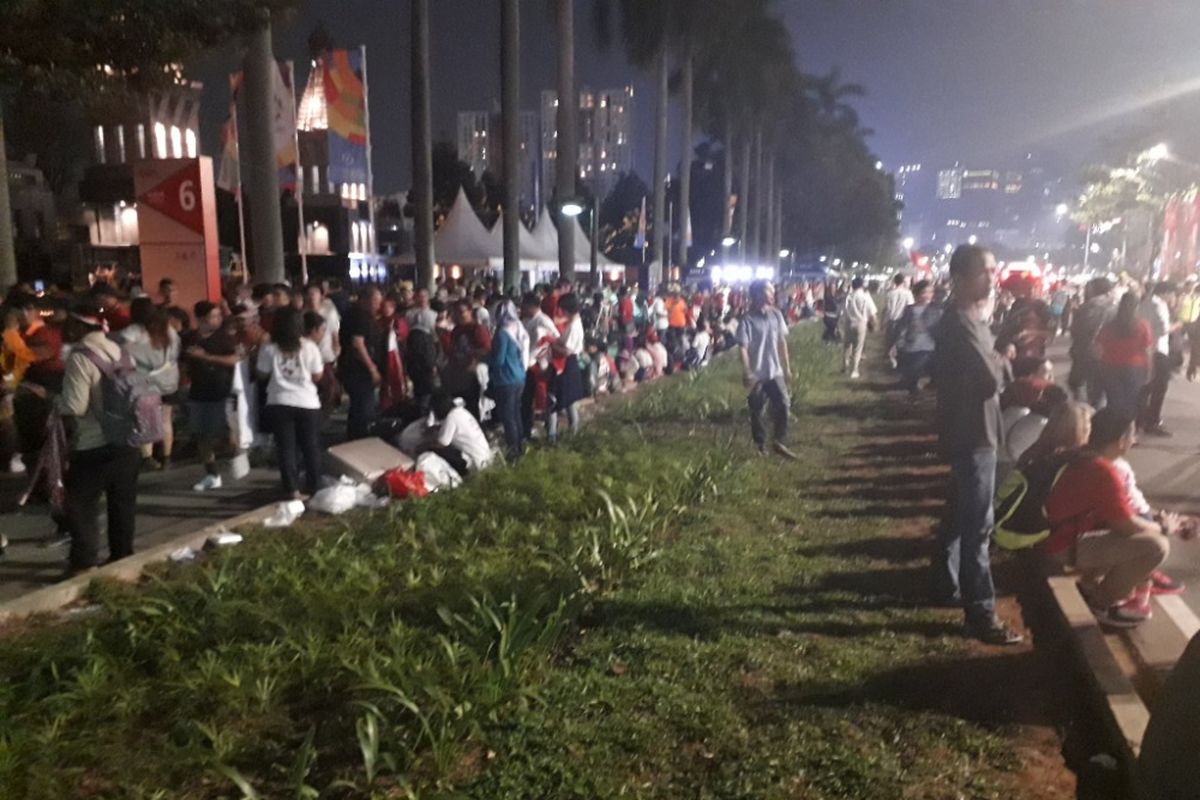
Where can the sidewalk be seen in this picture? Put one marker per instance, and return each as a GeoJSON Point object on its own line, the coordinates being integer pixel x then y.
{"type": "Point", "coordinates": [167, 507]}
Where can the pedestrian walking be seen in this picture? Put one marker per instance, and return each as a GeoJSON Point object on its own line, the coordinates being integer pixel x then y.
{"type": "Point", "coordinates": [914, 337]}
{"type": "Point", "coordinates": [1086, 322]}
{"type": "Point", "coordinates": [1124, 344]}
{"type": "Point", "coordinates": [968, 376]}
{"type": "Point", "coordinates": [766, 366]}
{"type": "Point", "coordinates": [858, 317]}
{"type": "Point", "coordinates": [898, 298]}
{"type": "Point", "coordinates": [362, 353]}
{"type": "Point", "coordinates": [1156, 310]}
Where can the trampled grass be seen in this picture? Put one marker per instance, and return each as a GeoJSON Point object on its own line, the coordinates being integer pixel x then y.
{"type": "Point", "coordinates": [650, 610]}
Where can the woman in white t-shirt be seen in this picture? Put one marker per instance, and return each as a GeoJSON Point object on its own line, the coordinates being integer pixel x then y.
{"type": "Point", "coordinates": [291, 363]}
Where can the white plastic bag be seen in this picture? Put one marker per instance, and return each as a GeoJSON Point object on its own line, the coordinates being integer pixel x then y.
{"type": "Point", "coordinates": [438, 474]}
{"type": "Point", "coordinates": [335, 499]}
{"type": "Point", "coordinates": [285, 514]}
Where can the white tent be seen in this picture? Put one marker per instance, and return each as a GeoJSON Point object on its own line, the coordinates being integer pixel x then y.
{"type": "Point", "coordinates": [534, 256]}
{"type": "Point", "coordinates": [463, 239]}
{"type": "Point", "coordinates": [545, 236]}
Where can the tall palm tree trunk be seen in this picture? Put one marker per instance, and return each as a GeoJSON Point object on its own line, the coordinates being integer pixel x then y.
{"type": "Point", "coordinates": [661, 121]}
{"type": "Point", "coordinates": [685, 160]}
{"type": "Point", "coordinates": [777, 248]}
{"type": "Point", "coordinates": [743, 204]}
{"type": "Point", "coordinates": [422, 137]}
{"type": "Point", "coordinates": [568, 151]}
{"type": "Point", "coordinates": [727, 182]}
{"type": "Point", "coordinates": [756, 236]}
{"type": "Point", "coordinates": [769, 253]}
{"type": "Point", "coordinates": [510, 101]}
{"type": "Point", "coordinates": [8, 256]}
{"type": "Point", "coordinates": [266, 218]}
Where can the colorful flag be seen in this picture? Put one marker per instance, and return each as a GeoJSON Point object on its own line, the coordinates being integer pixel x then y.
{"type": "Point", "coordinates": [283, 127]}
{"type": "Point", "coordinates": [639, 241]}
{"type": "Point", "coordinates": [346, 107]}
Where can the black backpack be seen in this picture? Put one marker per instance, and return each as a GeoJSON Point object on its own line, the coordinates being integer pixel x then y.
{"type": "Point", "coordinates": [1021, 519]}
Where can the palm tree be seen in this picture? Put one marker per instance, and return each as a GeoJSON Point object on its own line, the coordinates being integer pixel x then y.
{"type": "Point", "coordinates": [8, 257]}
{"type": "Point", "coordinates": [422, 147]}
{"type": "Point", "coordinates": [568, 106]}
{"type": "Point", "coordinates": [510, 101]}
{"type": "Point", "coordinates": [266, 220]}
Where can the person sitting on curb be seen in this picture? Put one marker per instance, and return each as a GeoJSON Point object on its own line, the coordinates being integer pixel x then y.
{"type": "Point", "coordinates": [1095, 529]}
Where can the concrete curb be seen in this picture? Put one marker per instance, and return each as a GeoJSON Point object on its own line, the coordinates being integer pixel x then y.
{"type": "Point", "coordinates": [54, 597]}
{"type": "Point", "coordinates": [1127, 711]}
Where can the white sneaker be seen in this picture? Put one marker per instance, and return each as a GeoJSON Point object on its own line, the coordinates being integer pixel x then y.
{"type": "Point", "coordinates": [854, 375]}
{"type": "Point", "coordinates": [207, 483]}
{"type": "Point", "coordinates": [17, 465]}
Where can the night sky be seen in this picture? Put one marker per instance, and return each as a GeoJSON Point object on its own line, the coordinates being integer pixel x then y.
{"type": "Point", "coordinates": [979, 80]}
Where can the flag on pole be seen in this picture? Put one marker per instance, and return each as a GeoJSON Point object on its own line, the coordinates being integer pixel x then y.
{"type": "Point", "coordinates": [639, 241]}
{"type": "Point", "coordinates": [283, 127]}
{"type": "Point", "coordinates": [230, 176]}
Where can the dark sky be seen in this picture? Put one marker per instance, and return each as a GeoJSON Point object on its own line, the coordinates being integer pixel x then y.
{"type": "Point", "coordinates": [946, 79]}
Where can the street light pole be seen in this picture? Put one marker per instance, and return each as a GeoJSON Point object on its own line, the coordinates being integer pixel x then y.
{"type": "Point", "coordinates": [1087, 248]}
{"type": "Point", "coordinates": [595, 250]}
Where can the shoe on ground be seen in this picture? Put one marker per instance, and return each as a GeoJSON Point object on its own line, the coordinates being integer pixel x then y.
{"type": "Point", "coordinates": [16, 465]}
{"type": "Point", "coordinates": [150, 465]}
{"type": "Point", "coordinates": [783, 450]}
{"type": "Point", "coordinates": [208, 483]}
{"type": "Point", "coordinates": [1123, 615]}
{"type": "Point", "coordinates": [1163, 584]}
{"type": "Point", "coordinates": [994, 632]}
{"type": "Point", "coordinates": [854, 375]}
{"type": "Point", "coordinates": [1159, 431]}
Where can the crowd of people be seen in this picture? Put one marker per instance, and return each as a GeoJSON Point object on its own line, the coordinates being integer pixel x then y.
{"type": "Point", "coordinates": [1053, 464]}
{"type": "Point", "coordinates": [262, 371]}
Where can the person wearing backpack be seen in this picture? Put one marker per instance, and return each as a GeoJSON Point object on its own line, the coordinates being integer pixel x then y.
{"type": "Point", "coordinates": [100, 405]}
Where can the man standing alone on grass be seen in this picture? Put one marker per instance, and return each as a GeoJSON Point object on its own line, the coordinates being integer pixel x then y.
{"type": "Point", "coordinates": [966, 370]}
{"type": "Point", "coordinates": [858, 316]}
{"type": "Point", "coordinates": [766, 367]}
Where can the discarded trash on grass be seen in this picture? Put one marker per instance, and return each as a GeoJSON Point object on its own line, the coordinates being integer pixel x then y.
{"type": "Point", "coordinates": [223, 539]}
{"type": "Point", "coordinates": [183, 554]}
{"type": "Point", "coordinates": [285, 514]}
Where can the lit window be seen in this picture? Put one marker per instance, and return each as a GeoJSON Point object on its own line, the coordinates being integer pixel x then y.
{"type": "Point", "coordinates": [100, 154]}
{"type": "Point", "coordinates": [190, 139]}
{"type": "Point", "coordinates": [141, 140]}
{"type": "Point", "coordinates": [121, 143]}
{"type": "Point", "coordinates": [316, 179]}
{"type": "Point", "coordinates": [176, 142]}
{"type": "Point", "coordinates": [160, 140]}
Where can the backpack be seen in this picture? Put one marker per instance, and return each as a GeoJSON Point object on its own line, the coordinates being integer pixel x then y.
{"type": "Point", "coordinates": [1021, 519]}
{"type": "Point", "coordinates": [131, 403]}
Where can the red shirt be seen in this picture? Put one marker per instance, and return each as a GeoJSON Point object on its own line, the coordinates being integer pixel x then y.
{"type": "Point", "coordinates": [1090, 496]}
{"type": "Point", "coordinates": [626, 309]}
{"type": "Point", "coordinates": [1117, 350]}
{"type": "Point", "coordinates": [465, 338]}
{"type": "Point", "coordinates": [550, 304]}
{"type": "Point", "coordinates": [117, 317]}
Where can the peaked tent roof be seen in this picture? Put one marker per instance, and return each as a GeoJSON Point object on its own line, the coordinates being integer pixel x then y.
{"type": "Point", "coordinates": [462, 239]}
{"type": "Point", "coordinates": [533, 255]}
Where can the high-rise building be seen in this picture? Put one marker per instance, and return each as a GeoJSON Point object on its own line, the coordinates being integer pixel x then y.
{"type": "Point", "coordinates": [604, 128]}
{"type": "Point", "coordinates": [481, 144]}
{"type": "Point", "coordinates": [950, 184]}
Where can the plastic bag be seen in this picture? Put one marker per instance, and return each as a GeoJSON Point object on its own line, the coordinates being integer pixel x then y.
{"type": "Point", "coordinates": [438, 474]}
{"type": "Point", "coordinates": [335, 499]}
{"type": "Point", "coordinates": [404, 483]}
{"type": "Point", "coordinates": [285, 514]}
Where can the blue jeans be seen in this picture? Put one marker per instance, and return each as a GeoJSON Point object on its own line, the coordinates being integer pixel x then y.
{"type": "Point", "coordinates": [961, 566]}
{"type": "Point", "coordinates": [1122, 387]}
{"type": "Point", "coordinates": [364, 403]}
{"type": "Point", "coordinates": [914, 365]}
{"type": "Point", "coordinates": [508, 411]}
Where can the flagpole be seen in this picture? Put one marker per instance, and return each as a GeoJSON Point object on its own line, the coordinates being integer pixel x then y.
{"type": "Point", "coordinates": [371, 248]}
{"type": "Point", "coordinates": [302, 240]}
{"type": "Point", "coordinates": [237, 196]}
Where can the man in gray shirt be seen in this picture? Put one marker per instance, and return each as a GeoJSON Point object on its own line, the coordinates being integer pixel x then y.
{"type": "Point", "coordinates": [966, 370]}
{"type": "Point", "coordinates": [766, 371]}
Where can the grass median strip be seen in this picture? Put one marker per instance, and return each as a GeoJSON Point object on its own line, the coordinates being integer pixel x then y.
{"type": "Point", "coordinates": [649, 610]}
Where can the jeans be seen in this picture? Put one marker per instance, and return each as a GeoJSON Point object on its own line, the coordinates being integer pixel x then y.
{"type": "Point", "coordinates": [961, 566]}
{"type": "Point", "coordinates": [508, 411]}
{"type": "Point", "coordinates": [572, 412]}
{"type": "Point", "coordinates": [1122, 387]}
{"type": "Point", "coordinates": [855, 338]}
{"type": "Point", "coordinates": [111, 470]}
{"type": "Point", "coordinates": [297, 429]}
{"type": "Point", "coordinates": [363, 404]}
{"type": "Point", "coordinates": [774, 393]}
{"type": "Point", "coordinates": [1084, 379]}
{"type": "Point", "coordinates": [1155, 393]}
{"type": "Point", "coordinates": [914, 366]}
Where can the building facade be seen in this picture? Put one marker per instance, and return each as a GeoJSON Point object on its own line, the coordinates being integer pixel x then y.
{"type": "Point", "coordinates": [481, 145]}
{"type": "Point", "coordinates": [605, 130]}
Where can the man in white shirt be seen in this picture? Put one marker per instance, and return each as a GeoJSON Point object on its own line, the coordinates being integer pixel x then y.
{"type": "Point", "coordinates": [1156, 310]}
{"type": "Point", "coordinates": [457, 437]}
{"type": "Point", "coordinates": [898, 298]}
{"type": "Point", "coordinates": [858, 315]}
{"type": "Point", "coordinates": [659, 315]}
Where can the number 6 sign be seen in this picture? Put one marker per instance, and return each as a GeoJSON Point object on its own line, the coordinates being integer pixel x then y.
{"type": "Point", "coordinates": [177, 226]}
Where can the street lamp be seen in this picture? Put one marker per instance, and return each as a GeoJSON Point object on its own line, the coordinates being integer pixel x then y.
{"type": "Point", "coordinates": [1160, 152]}
{"type": "Point", "coordinates": [908, 242]}
{"type": "Point", "coordinates": [784, 253]}
{"type": "Point", "coordinates": [972, 239]}
{"type": "Point", "coordinates": [573, 208]}
{"type": "Point", "coordinates": [728, 241]}
{"type": "Point", "coordinates": [1061, 210]}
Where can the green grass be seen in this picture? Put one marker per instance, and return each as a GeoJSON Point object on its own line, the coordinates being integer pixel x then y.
{"type": "Point", "coordinates": [646, 611]}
